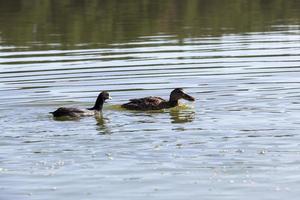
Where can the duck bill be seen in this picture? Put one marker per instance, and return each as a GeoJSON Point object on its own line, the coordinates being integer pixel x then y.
{"type": "Point", "coordinates": [188, 97]}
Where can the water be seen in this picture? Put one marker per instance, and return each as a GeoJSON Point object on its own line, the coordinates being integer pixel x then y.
{"type": "Point", "coordinates": [239, 140]}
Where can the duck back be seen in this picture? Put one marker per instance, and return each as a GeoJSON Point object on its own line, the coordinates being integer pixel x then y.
{"type": "Point", "coordinates": [147, 103]}
{"type": "Point", "coordinates": [70, 112]}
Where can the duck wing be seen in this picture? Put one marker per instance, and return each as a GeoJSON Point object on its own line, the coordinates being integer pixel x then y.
{"type": "Point", "coordinates": [147, 103]}
{"type": "Point", "coordinates": [148, 100]}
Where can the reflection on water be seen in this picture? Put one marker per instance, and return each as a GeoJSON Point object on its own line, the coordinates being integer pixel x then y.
{"type": "Point", "coordinates": [63, 24]}
{"type": "Point", "coordinates": [181, 116]}
{"type": "Point", "coordinates": [238, 140]}
{"type": "Point", "coordinates": [101, 123]}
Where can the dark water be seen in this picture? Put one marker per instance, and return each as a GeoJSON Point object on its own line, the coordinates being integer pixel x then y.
{"type": "Point", "coordinates": [239, 59]}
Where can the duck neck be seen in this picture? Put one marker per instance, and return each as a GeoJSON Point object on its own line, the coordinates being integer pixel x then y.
{"type": "Point", "coordinates": [173, 103]}
{"type": "Point", "coordinates": [98, 104]}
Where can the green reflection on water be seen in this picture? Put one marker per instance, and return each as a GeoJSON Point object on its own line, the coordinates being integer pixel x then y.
{"type": "Point", "coordinates": [66, 24]}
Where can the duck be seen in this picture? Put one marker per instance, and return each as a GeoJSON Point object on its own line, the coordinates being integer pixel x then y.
{"type": "Point", "coordinates": [157, 103]}
{"type": "Point", "coordinates": [78, 112]}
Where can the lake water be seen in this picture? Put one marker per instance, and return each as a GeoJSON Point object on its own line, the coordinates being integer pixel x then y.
{"type": "Point", "coordinates": [239, 140]}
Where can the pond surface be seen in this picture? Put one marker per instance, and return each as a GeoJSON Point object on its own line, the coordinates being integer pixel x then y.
{"type": "Point", "coordinates": [239, 59]}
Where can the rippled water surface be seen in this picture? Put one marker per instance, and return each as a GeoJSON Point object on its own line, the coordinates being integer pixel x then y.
{"type": "Point", "coordinates": [238, 140]}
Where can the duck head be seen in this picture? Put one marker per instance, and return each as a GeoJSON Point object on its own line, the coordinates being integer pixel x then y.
{"type": "Point", "coordinates": [178, 93]}
{"type": "Point", "coordinates": [104, 95]}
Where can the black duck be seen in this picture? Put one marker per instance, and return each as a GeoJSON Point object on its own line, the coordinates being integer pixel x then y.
{"type": "Point", "coordinates": [77, 112]}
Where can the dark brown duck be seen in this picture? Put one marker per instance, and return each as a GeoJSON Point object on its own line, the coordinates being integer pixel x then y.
{"type": "Point", "coordinates": [77, 112]}
{"type": "Point", "coordinates": [157, 103]}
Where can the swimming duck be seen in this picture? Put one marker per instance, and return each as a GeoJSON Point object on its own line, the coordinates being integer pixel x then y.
{"type": "Point", "coordinates": [157, 103]}
{"type": "Point", "coordinates": [77, 112]}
